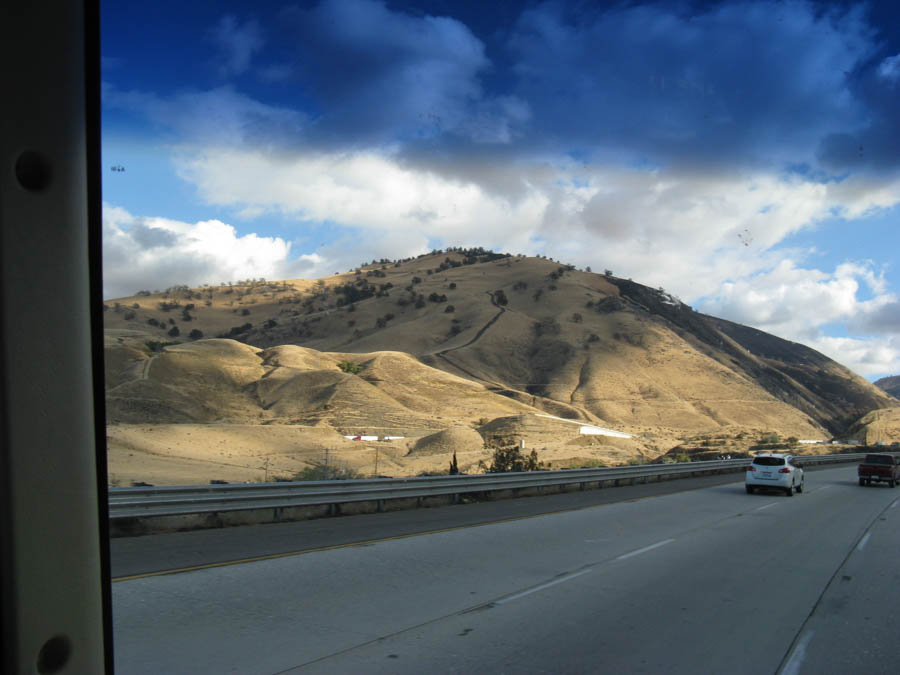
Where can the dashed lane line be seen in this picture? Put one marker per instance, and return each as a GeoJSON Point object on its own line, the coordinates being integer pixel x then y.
{"type": "Point", "coordinates": [645, 549]}
{"type": "Point", "coordinates": [792, 667]}
{"type": "Point", "coordinates": [535, 589]}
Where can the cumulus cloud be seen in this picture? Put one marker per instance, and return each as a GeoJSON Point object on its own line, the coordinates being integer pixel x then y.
{"type": "Point", "coordinates": [871, 357]}
{"type": "Point", "coordinates": [794, 302]}
{"type": "Point", "coordinates": [146, 253]}
{"type": "Point", "coordinates": [687, 232]}
{"type": "Point", "coordinates": [237, 42]}
{"type": "Point", "coordinates": [150, 253]}
{"type": "Point", "coordinates": [799, 304]}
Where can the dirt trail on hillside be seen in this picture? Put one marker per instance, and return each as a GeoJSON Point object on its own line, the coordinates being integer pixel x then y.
{"type": "Point", "coordinates": [481, 331]}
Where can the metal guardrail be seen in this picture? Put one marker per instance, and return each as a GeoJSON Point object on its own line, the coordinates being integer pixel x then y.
{"type": "Point", "coordinates": [137, 502]}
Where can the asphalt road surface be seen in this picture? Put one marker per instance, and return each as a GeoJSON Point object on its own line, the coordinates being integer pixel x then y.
{"type": "Point", "coordinates": [709, 580]}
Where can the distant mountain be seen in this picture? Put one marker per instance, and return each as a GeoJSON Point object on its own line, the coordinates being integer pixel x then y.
{"type": "Point", "coordinates": [890, 384]}
{"type": "Point", "coordinates": [539, 334]}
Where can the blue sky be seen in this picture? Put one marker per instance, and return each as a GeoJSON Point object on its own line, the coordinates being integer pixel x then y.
{"type": "Point", "coordinates": [745, 156]}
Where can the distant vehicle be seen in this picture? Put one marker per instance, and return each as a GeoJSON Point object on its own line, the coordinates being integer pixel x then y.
{"type": "Point", "coordinates": [879, 468]}
{"type": "Point", "coordinates": [775, 471]}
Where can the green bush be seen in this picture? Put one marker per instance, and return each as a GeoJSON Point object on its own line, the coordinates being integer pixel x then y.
{"type": "Point", "coordinates": [351, 367]}
{"type": "Point", "coordinates": [322, 471]}
{"type": "Point", "coordinates": [511, 459]}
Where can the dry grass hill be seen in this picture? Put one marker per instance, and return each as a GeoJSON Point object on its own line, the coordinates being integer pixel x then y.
{"type": "Point", "coordinates": [890, 384]}
{"type": "Point", "coordinates": [256, 379]}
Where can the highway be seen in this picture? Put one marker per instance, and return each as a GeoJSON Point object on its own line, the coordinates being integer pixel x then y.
{"type": "Point", "coordinates": [705, 580]}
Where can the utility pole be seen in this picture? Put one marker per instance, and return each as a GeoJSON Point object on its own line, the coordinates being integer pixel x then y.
{"type": "Point", "coordinates": [376, 461]}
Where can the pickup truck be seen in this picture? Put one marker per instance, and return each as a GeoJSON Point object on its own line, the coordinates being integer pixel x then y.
{"type": "Point", "coordinates": [879, 468]}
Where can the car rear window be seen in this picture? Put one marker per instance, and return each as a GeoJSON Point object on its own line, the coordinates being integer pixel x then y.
{"type": "Point", "coordinates": [878, 459]}
{"type": "Point", "coordinates": [769, 461]}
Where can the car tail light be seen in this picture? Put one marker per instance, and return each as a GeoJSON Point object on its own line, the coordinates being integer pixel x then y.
{"type": "Point", "coordinates": [751, 468]}
{"type": "Point", "coordinates": [784, 470]}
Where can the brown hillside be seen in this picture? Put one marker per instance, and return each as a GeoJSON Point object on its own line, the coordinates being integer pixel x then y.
{"type": "Point", "coordinates": [462, 338]}
{"type": "Point", "coordinates": [878, 426]}
{"type": "Point", "coordinates": [889, 384]}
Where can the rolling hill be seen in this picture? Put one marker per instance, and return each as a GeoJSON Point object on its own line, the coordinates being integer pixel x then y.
{"type": "Point", "coordinates": [459, 339]}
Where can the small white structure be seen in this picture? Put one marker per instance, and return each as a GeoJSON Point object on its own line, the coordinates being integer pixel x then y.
{"type": "Point", "coordinates": [589, 429]}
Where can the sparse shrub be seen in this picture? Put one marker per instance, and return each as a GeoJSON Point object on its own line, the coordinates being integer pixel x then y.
{"type": "Point", "coordinates": [245, 312]}
{"type": "Point", "coordinates": [129, 315]}
{"type": "Point", "coordinates": [174, 332]}
{"type": "Point", "coordinates": [449, 309]}
{"type": "Point", "coordinates": [500, 298]}
{"type": "Point", "coordinates": [351, 367]}
{"type": "Point", "coordinates": [576, 318]}
{"type": "Point", "coordinates": [520, 286]}
{"type": "Point", "coordinates": [509, 459]}
{"type": "Point", "coordinates": [452, 285]}
{"type": "Point", "coordinates": [322, 471]}
{"type": "Point", "coordinates": [153, 322]}
{"type": "Point", "coordinates": [195, 334]}
{"type": "Point", "coordinates": [271, 323]}
{"type": "Point", "coordinates": [420, 303]}
{"type": "Point", "coordinates": [237, 330]}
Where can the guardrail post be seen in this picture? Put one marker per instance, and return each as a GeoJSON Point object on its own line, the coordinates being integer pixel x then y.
{"type": "Point", "coordinates": [380, 506]}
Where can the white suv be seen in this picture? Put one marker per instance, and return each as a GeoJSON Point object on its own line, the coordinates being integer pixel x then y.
{"type": "Point", "coordinates": [774, 470]}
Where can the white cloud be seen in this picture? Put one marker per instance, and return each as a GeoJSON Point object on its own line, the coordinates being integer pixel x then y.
{"type": "Point", "coordinates": [872, 357]}
{"type": "Point", "coordinates": [149, 253]}
{"type": "Point", "coordinates": [687, 233]}
{"type": "Point", "coordinates": [795, 303]}
{"type": "Point", "coordinates": [366, 191]}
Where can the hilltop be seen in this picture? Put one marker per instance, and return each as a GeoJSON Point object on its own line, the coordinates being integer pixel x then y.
{"type": "Point", "coordinates": [459, 339]}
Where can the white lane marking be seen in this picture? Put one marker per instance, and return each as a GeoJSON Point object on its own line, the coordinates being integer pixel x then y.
{"type": "Point", "coordinates": [824, 487]}
{"type": "Point", "coordinates": [556, 581]}
{"type": "Point", "coordinates": [862, 542]}
{"type": "Point", "coordinates": [792, 667]}
{"type": "Point", "coordinates": [645, 549]}
{"type": "Point", "coordinates": [894, 505]}
{"type": "Point", "coordinates": [768, 506]}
